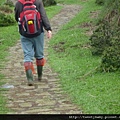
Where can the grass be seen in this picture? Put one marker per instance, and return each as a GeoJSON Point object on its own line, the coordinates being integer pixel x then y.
{"type": "Point", "coordinates": [1, 2]}
{"type": "Point", "coordinates": [68, 1]}
{"type": "Point", "coordinates": [70, 56]}
{"type": "Point", "coordinates": [9, 36]}
{"type": "Point", "coordinates": [52, 10]}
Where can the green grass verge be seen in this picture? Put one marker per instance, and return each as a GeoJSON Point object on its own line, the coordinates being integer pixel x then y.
{"type": "Point", "coordinates": [2, 2]}
{"type": "Point", "coordinates": [69, 1]}
{"type": "Point", "coordinates": [9, 36]}
{"type": "Point", "coordinates": [52, 10]}
{"type": "Point", "coordinates": [70, 56]}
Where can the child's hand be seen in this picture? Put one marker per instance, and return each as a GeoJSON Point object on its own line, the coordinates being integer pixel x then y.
{"type": "Point", "coordinates": [49, 34]}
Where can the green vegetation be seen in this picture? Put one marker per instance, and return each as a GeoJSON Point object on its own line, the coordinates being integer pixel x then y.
{"type": "Point", "coordinates": [6, 17]}
{"type": "Point", "coordinates": [52, 10]}
{"type": "Point", "coordinates": [9, 3]}
{"type": "Point", "coordinates": [70, 56]}
{"type": "Point", "coordinates": [100, 2]}
{"type": "Point", "coordinates": [3, 109]}
{"type": "Point", "coordinates": [49, 2]}
{"type": "Point", "coordinates": [105, 39]}
{"type": "Point", "coordinates": [1, 2]}
{"type": "Point", "coordinates": [69, 1]}
{"type": "Point", "coordinates": [9, 36]}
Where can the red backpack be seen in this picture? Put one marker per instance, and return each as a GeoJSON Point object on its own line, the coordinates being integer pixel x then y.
{"type": "Point", "coordinates": [30, 19]}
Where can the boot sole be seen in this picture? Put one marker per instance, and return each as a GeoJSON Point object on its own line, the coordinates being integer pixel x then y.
{"type": "Point", "coordinates": [39, 79]}
{"type": "Point", "coordinates": [30, 83]}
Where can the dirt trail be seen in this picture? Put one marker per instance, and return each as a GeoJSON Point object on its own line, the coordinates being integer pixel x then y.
{"type": "Point", "coordinates": [46, 97]}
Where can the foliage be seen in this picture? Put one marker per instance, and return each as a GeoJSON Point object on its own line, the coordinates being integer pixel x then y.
{"type": "Point", "coordinates": [9, 3]}
{"type": "Point", "coordinates": [111, 56]}
{"type": "Point", "coordinates": [70, 1]}
{"type": "Point", "coordinates": [100, 2]}
{"type": "Point", "coordinates": [105, 37]}
{"type": "Point", "coordinates": [101, 38]}
{"type": "Point", "coordinates": [6, 17]}
{"type": "Point", "coordinates": [49, 2]}
{"type": "Point", "coordinates": [6, 9]}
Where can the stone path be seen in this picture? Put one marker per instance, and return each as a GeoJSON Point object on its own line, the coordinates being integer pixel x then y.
{"type": "Point", "coordinates": [46, 97]}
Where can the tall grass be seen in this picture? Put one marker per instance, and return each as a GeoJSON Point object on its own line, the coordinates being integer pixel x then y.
{"type": "Point", "coordinates": [70, 56]}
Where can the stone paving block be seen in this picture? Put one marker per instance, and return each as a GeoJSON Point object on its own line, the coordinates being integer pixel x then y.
{"type": "Point", "coordinates": [23, 94]}
{"type": "Point", "coordinates": [41, 86]}
{"type": "Point", "coordinates": [22, 105]}
{"type": "Point", "coordinates": [37, 110]}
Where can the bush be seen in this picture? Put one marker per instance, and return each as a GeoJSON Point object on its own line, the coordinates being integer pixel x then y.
{"type": "Point", "coordinates": [111, 56]}
{"type": "Point", "coordinates": [6, 9]}
{"type": "Point", "coordinates": [49, 2]}
{"type": "Point", "coordinates": [111, 59]}
{"type": "Point", "coordinates": [100, 2]}
{"type": "Point", "coordinates": [105, 40]}
{"type": "Point", "coordinates": [6, 18]}
{"type": "Point", "coordinates": [101, 38]}
{"type": "Point", "coordinates": [9, 3]}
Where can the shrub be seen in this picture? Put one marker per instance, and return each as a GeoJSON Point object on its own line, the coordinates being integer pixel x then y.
{"type": "Point", "coordinates": [6, 17]}
{"type": "Point", "coordinates": [9, 3]}
{"type": "Point", "coordinates": [100, 2]}
{"type": "Point", "coordinates": [49, 2]}
{"type": "Point", "coordinates": [111, 59]}
{"type": "Point", "coordinates": [105, 40]}
{"type": "Point", "coordinates": [101, 38]}
{"type": "Point", "coordinates": [111, 56]}
{"type": "Point", "coordinates": [6, 8]}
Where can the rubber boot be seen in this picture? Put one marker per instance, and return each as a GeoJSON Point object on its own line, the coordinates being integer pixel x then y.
{"type": "Point", "coordinates": [40, 63]}
{"type": "Point", "coordinates": [39, 72]}
{"type": "Point", "coordinates": [29, 73]}
{"type": "Point", "coordinates": [29, 76]}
